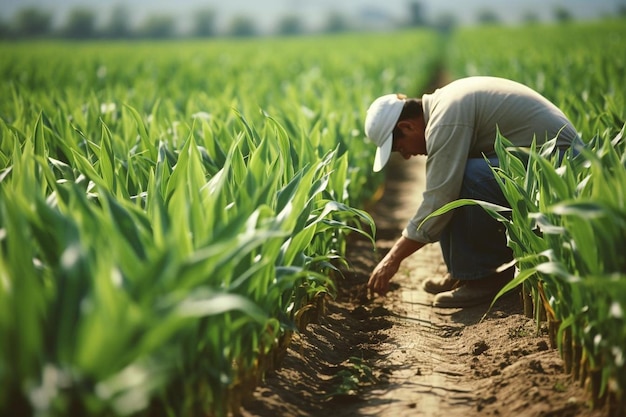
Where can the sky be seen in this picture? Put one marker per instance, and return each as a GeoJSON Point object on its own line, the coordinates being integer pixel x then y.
{"type": "Point", "coordinates": [267, 12]}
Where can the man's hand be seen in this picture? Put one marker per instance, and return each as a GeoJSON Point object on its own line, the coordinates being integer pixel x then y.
{"type": "Point", "coordinates": [382, 274]}
{"type": "Point", "coordinates": [387, 268]}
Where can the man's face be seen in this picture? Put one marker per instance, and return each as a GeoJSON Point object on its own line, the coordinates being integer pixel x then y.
{"type": "Point", "coordinates": [411, 139]}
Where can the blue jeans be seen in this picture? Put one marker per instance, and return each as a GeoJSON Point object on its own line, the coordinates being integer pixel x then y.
{"type": "Point", "coordinates": [473, 243]}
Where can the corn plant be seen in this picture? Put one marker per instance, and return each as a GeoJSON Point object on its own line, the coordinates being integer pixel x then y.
{"type": "Point", "coordinates": [571, 243]}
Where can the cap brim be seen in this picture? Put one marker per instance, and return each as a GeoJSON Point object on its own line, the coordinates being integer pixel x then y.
{"type": "Point", "coordinates": [382, 154]}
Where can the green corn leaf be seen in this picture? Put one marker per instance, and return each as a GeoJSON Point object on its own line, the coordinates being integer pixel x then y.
{"type": "Point", "coordinates": [200, 305]}
{"type": "Point", "coordinates": [106, 160]}
{"type": "Point", "coordinates": [493, 209]}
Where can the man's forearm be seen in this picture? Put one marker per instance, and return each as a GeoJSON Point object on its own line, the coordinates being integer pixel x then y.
{"type": "Point", "coordinates": [403, 248]}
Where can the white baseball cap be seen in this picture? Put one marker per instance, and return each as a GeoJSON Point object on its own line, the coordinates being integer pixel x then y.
{"type": "Point", "coordinates": [380, 121]}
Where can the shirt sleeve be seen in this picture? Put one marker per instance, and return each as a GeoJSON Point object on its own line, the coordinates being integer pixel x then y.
{"type": "Point", "coordinates": [448, 148]}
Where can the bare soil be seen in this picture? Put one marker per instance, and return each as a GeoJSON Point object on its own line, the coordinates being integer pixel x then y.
{"type": "Point", "coordinates": [399, 356]}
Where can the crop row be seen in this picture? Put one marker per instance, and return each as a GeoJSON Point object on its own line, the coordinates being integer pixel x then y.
{"type": "Point", "coordinates": [170, 213]}
{"type": "Point", "coordinates": [567, 227]}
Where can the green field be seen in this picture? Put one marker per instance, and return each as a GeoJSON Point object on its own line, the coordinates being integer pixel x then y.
{"type": "Point", "coordinates": [171, 212]}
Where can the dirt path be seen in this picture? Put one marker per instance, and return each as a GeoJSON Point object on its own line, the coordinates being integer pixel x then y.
{"type": "Point", "coordinates": [399, 356]}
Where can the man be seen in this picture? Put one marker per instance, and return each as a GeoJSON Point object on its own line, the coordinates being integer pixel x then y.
{"type": "Point", "coordinates": [456, 127]}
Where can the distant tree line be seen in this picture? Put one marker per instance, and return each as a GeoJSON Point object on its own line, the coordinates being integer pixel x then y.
{"type": "Point", "coordinates": [82, 23]}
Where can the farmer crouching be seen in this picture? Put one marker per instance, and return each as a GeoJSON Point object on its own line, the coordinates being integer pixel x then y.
{"type": "Point", "coordinates": [456, 127]}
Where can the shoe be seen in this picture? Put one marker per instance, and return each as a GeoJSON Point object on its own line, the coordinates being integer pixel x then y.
{"type": "Point", "coordinates": [465, 296]}
{"type": "Point", "coordinates": [440, 284]}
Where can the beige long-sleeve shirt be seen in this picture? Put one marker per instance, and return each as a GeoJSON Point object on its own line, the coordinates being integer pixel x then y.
{"type": "Point", "coordinates": [461, 122]}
